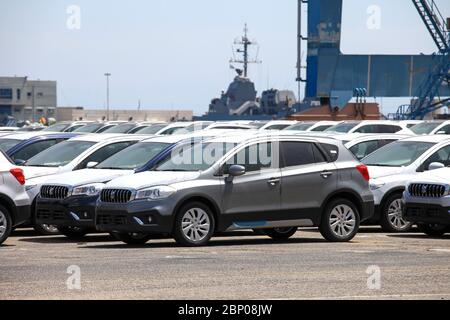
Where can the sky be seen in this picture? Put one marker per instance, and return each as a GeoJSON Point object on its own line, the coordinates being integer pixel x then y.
{"type": "Point", "coordinates": [174, 54]}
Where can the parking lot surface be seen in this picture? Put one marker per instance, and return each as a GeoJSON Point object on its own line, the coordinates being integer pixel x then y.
{"type": "Point", "coordinates": [240, 266]}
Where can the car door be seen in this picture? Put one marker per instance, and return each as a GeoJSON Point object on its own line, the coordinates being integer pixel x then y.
{"type": "Point", "coordinates": [256, 194]}
{"type": "Point", "coordinates": [307, 178]}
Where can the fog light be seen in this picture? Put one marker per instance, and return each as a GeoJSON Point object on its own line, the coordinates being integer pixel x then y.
{"type": "Point", "coordinates": [150, 219]}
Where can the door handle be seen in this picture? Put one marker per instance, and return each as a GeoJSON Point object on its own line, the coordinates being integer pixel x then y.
{"type": "Point", "coordinates": [326, 174]}
{"type": "Point", "coordinates": [274, 181]}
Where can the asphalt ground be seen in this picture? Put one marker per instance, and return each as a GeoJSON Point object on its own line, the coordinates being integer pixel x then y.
{"type": "Point", "coordinates": [374, 265]}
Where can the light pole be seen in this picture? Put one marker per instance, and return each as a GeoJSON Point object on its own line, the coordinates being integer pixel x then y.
{"type": "Point", "coordinates": [107, 75]}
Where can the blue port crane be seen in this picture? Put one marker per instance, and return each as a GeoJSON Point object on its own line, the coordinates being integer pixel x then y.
{"type": "Point", "coordinates": [428, 90]}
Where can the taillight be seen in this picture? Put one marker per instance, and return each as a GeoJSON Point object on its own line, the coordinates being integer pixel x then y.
{"type": "Point", "coordinates": [364, 171]}
{"type": "Point", "coordinates": [18, 174]}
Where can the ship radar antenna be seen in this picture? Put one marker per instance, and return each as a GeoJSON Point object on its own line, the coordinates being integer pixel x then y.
{"type": "Point", "coordinates": [242, 47]}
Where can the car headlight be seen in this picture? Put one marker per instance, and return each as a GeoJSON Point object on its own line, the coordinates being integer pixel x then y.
{"type": "Point", "coordinates": [376, 185]}
{"type": "Point", "coordinates": [88, 190]}
{"type": "Point", "coordinates": [155, 193]}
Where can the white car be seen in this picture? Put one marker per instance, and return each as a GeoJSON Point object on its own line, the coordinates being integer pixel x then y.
{"type": "Point", "coordinates": [361, 145]}
{"type": "Point", "coordinates": [14, 201]}
{"type": "Point", "coordinates": [370, 126]}
{"type": "Point", "coordinates": [277, 125]}
{"type": "Point", "coordinates": [431, 128]}
{"type": "Point", "coordinates": [392, 166]}
{"type": "Point", "coordinates": [164, 129]}
{"type": "Point", "coordinates": [71, 155]}
{"type": "Point", "coordinates": [427, 202]}
{"type": "Point", "coordinates": [310, 126]}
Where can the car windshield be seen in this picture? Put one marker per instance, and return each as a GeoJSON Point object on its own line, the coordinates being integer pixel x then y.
{"type": "Point", "coordinates": [133, 157]}
{"type": "Point", "coordinates": [397, 154]}
{"type": "Point", "coordinates": [342, 128]}
{"type": "Point", "coordinates": [57, 127]}
{"type": "Point", "coordinates": [90, 128]}
{"type": "Point", "coordinates": [60, 154]}
{"type": "Point", "coordinates": [154, 129]}
{"type": "Point", "coordinates": [195, 157]}
{"type": "Point", "coordinates": [425, 128]}
{"type": "Point", "coordinates": [6, 144]}
{"type": "Point", "coordinates": [122, 128]}
{"type": "Point", "coordinates": [300, 127]}
{"type": "Point", "coordinates": [193, 127]}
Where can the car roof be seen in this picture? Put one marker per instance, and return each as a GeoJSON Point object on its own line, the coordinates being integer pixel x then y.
{"type": "Point", "coordinates": [368, 136]}
{"type": "Point", "coordinates": [95, 137]}
{"type": "Point", "coordinates": [35, 134]}
{"type": "Point", "coordinates": [430, 138]}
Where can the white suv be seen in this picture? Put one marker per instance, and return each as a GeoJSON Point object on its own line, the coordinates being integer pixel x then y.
{"type": "Point", "coordinates": [392, 166]}
{"type": "Point", "coordinates": [14, 201]}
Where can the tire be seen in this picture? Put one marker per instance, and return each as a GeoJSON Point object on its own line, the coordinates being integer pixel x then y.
{"type": "Point", "coordinates": [340, 221]}
{"type": "Point", "coordinates": [132, 238]}
{"type": "Point", "coordinates": [433, 230]}
{"type": "Point", "coordinates": [73, 232]}
{"type": "Point", "coordinates": [198, 222]}
{"type": "Point", "coordinates": [392, 220]}
{"type": "Point", "coordinates": [281, 233]}
{"type": "Point", "coordinates": [45, 229]}
{"type": "Point", "coordinates": [5, 224]}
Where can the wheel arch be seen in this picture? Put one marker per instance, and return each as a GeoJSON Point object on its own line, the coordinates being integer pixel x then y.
{"type": "Point", "coordinates": [347, 194]}
{"type": "Point", "coordinates": [390, 193]}
{"type": "Point", "coordinates": [9, 205]}
{"type": "Point", "coordinates": [206, 200]}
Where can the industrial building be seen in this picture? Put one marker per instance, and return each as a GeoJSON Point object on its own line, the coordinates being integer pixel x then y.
{"type": "Point", "coordinates": [26, 99]}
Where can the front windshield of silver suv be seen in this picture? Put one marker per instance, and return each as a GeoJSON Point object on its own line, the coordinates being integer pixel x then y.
{"type": "Point", "coordinates": [397, 154]}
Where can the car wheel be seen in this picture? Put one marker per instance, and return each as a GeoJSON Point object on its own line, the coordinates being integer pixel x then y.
{"type": "Point", "coordinates": [340, 221]}
{"type": "Point", "coordinates": [132, 238]}
{"type": "Point", "coordinates": [5, 224]}
{"type": "Point", "coordinates": [46, 229]}
{"type": "Point", "coordinates": [433, 230]}
{"type": "Point", "coordinates": [281, 233]}
{"type": "Point", "coordinates": [73, 232]}
{"type": "Point", "coordinates": [194, 225]}
{"type": "Point", "coordinates": [392, 216]}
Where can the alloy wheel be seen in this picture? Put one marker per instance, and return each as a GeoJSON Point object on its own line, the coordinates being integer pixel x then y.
{"type": "Point", "coordinates": [342, 221]}
{"type": "Point", "coordinates": [196, 224]}
{"type": "Point", "coordinates": [3, 224]}
{"type": "Point", "coordinates": [395, 216]}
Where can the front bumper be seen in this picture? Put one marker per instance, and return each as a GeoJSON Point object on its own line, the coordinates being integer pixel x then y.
{"type": "Point", "coordinates": [70, 212]}
{"type": "Point", "coordinates": [426, 213]}
{"type": "Point", "coordinates": [152, 217]}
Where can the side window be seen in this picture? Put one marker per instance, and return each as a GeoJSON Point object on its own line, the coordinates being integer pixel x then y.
{"type": "Point", "coordinates": [31, 150]}
{"type": "Point", "coordinates": [254, 158]}
{"type": "Point", "coordinates": [445, 130]}
{"type": "Point", "coordinates": [300, 154]}
{"type": "Point", "coordinates": [364, 148]}
{"type": "Point", "coordinates": [388, 129]}
{"type": "Point", "coordinates": [366, 129]}
{"type": "Point", "coordinates": [104, 153]}
{"type": "Point", "coordinates": [441, 156]}
{"type": "Point", "coordinates": [331, 150]}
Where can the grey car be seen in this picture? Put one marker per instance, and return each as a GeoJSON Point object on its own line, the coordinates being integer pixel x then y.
{"type": "Point", "coordinates": [272, 182]}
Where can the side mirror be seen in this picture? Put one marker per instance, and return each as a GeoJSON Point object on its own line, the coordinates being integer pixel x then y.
{"type": "Point", "coordinates": [235, 171]}
{"type": "Point", "coordinates": [435, 166]}
{"type": "Point", "coordinates": [91, 165]}
{"type": "Point", "coordinates": [19, 162]}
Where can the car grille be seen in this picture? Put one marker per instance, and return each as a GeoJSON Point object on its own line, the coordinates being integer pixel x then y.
{"type": "Point", "coordinates": [50, 215]}
{"type": "Point", "coordinates": [116, 195]}
{"type": "Point", "coordinates": [111, 219]}
{"type": "Point", "coordinates": [54, 192]}
{"type": "Point", "coordinates": [427, 190]}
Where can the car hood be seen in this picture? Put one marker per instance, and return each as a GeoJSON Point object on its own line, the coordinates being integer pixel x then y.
{"type": "Point", "coordinates": [151, 178]}
{"type": "Point", "coordinates": [380, 172]}
{"type": "Point", "coordinates": [35, 172]}
{"type": "Point", "coordinates": [433, 176]}
{"type": "Point", "coordinates": [82, 177]}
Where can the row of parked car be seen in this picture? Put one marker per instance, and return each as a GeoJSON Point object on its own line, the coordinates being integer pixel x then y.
{"type": "Point", "coordinates": [192, 180]}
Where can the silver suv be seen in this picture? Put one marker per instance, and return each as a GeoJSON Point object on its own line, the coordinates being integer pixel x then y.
{"type": "Point", "coordinates": [14, 201]}
{"type": "Point", "coordinates": [273, 182]}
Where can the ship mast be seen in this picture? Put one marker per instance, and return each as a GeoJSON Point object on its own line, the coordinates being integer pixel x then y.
{"type": "Point", "coordinates": [244, 44]}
